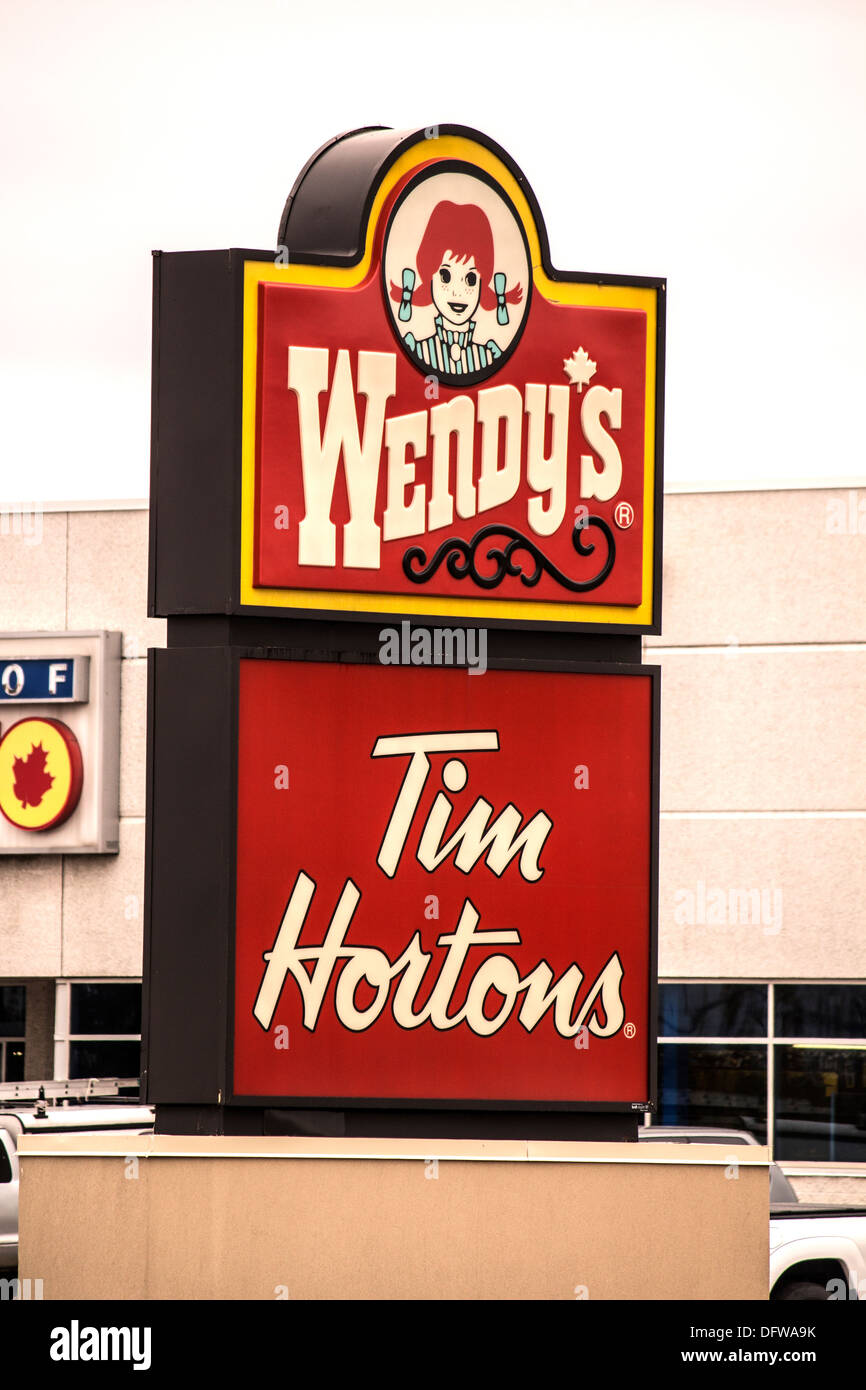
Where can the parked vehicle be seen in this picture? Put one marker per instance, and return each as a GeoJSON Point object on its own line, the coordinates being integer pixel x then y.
{"type": "Point", "coordinates": [8, 1201]}
{"type": "Point", "coordinates": [817, 1251]}
{"type": "Point", "coordinates": [62, 1108]}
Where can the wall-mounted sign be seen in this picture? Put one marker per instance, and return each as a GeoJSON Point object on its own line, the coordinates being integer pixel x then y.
{"type": "Point", "coordinates": [41, 773]}
{"type": "Point", "coordinates": [59, 776]}
{"type": "Point", "coordinates": [433, 420]}
{"type": "Point", "coordinates": [445, 885]}
{"type": "Point", "coordinates": [43, 680]}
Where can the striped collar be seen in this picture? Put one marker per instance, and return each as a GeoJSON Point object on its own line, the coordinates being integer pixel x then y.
{"type": "Point", "coordinates": [463, 337]}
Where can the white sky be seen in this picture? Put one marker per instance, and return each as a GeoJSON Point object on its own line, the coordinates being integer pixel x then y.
{"type": "Point", "coordinates": [718, 144]}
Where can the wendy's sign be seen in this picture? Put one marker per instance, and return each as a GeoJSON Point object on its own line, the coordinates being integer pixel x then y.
{"type": "Point", "coordinates": [445, 886]}
{"type": "Point", "coordinates": [406, 408]}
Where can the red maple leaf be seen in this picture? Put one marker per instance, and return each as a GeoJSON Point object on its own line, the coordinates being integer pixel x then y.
{"type": "Point", "coordinates": [31, 779]}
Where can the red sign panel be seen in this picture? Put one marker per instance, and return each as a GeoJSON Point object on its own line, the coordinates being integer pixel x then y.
{"type": "Point", "coordinates": [444, 885]}
{"type": "Point", "coordinates": [504, 475]}
{"type": "Point", "coordinates": [450, 426]}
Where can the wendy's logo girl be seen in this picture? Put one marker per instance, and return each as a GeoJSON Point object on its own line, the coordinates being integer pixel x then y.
{"type": "Point", "coordinates": [456, 273]}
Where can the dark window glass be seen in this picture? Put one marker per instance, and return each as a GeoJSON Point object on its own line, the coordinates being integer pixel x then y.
{"type": "Point", "coordinates": [12, 1011]}
{"type": "Point", "coordinates": [719, 1084]}
{"type": "Point", "coordinates": [104, 1059]}
{"type": "Point", "coordinates": [5, 1165]}
{"type": "Point", "coordinates": [712, 1011]}
{"type": "Point", "coordinates": [820, 1011]}
{"type": "Point", "coordinates": [14, 1055]}
{"type": "Point", "coordinates": [105, 1009]}
{"type": "Point", "coordinates": [820, 1103]}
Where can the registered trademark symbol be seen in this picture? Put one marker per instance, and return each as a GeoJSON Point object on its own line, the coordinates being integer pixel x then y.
{"type": "Point", "coordinates": [624, 515]}
{"type": "Point", "coordinates": [629, 1030]}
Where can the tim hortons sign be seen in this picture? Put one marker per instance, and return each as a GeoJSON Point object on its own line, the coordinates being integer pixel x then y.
{"type": "Point", "coordinates": [445, 886]}
{"type": "Point", "coordinates": [433, 420]}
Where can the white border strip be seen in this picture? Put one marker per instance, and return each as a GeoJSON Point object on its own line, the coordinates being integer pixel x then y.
{"type": "Point", "coordinates": [794, 1171]}
{"type": "Point", "coordinates": [765, 485]}
{"type": "Point", "coordinates": [118, 504]}
{"type": "Point", "coordinates": [691, 1160]}
{"type": "Point", "coordinates": [733, 649]}
{"type": "Point", "coordinates": [763, 815]}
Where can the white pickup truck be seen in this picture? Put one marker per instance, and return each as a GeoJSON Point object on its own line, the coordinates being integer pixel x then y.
{"type": "Point", "coordinates": [52, 1119]}
{"type": "Point", "coordinates": [817, 1253]}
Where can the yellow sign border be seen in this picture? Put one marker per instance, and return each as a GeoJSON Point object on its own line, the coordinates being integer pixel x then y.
{"type": "Point", "coordinates": [567, 292]}
{"type": "Point", "coordinates": [61, 797]}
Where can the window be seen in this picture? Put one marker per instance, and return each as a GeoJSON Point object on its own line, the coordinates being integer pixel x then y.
{"type": "Point", "coordinates": [105, 1008]}
{"type": "Point", "coordinates": [97, 1028]}
{"type": "Point", "coordinates": [12, 1028]}
{"type": "Point", "coordinates": [713, 1011]}
{"type": "Point", "coordinates": [722, 1085]}
{"type": "Point", "coordinates": [785, 1061]}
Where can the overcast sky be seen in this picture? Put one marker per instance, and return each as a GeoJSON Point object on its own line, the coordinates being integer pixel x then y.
{"type": "Point", "coordinates": [718, 144]}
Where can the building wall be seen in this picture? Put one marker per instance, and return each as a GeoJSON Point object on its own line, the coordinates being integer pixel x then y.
{"type": "Point", "coordinates": [763, 788]}
{"type": "Point", "coordinates": [39, 1037]}
{"type": "Point", "coordinates": [763, 654]}
{"type": "Point", "coordinates": [763, 809]}
{"type": "Point", "coordinates": [80, 916]}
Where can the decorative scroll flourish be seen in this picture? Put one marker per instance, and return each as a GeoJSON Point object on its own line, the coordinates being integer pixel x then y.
{"type": "Point", "coordinates": [460, 558]}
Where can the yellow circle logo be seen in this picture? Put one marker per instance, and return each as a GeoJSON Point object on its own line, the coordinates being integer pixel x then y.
{"type": "Point", "coordinates": [41, 773]}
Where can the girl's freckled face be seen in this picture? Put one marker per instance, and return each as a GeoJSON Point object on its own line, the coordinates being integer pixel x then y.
{"type": "Point", "coordinates": [456, 289]}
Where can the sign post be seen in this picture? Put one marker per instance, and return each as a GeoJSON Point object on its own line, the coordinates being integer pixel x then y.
{"type": "Point", "coordinates": [403, 756]}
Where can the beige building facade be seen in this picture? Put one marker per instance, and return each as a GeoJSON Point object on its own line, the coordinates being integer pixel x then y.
{"type": "Point", "coordinates": [76, 920]}
{"type": "Point", "coordinates": [762, 925]}
{"type": "Point", "coordinates": [763, 819]}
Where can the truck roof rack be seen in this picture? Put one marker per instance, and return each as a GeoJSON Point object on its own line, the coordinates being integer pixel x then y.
{"type": "Point", "coordinates": [74, 1092]}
